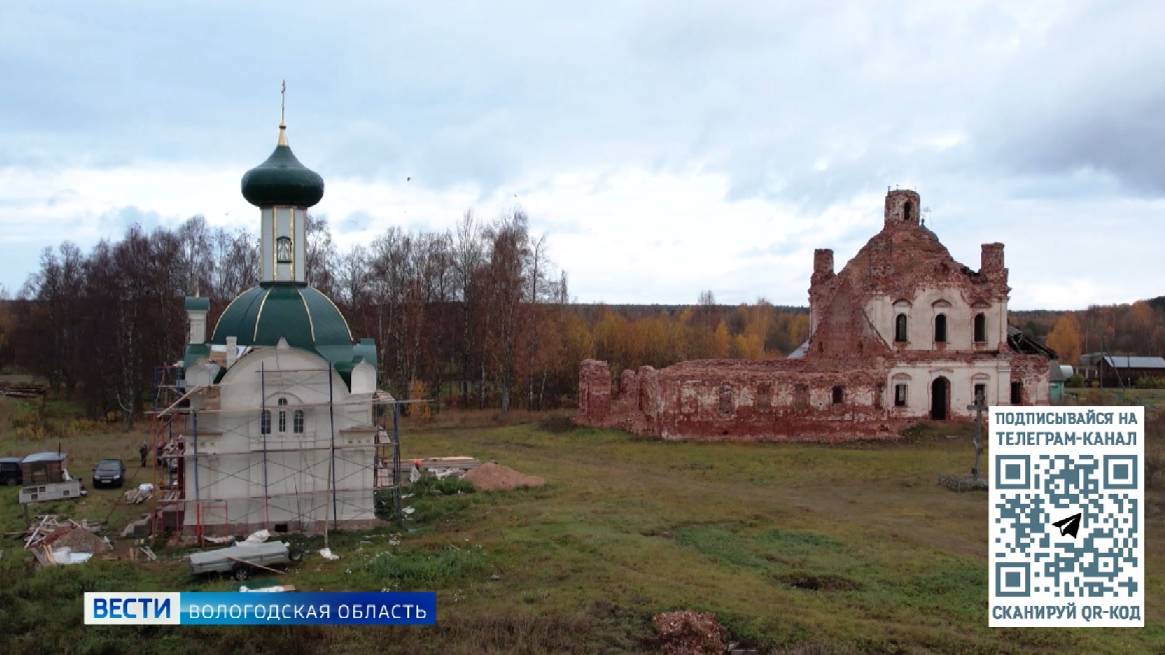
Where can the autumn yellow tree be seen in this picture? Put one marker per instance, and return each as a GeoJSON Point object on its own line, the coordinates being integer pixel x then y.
{"type": "Point", "coordinates": [721, 342]}
{"type": "Point", "coordinates": [1065, 338]}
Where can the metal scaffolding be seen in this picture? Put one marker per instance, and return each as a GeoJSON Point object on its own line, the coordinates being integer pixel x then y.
{"type": "Point", "coordinates": [181, 449]}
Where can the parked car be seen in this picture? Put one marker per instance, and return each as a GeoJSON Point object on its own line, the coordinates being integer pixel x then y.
{"type": "Point", "coordinates": [10, 471]}
{"type": "Point", "coordinates": [109, 473]}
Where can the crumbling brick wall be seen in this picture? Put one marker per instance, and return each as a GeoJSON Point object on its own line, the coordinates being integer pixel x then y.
{"type": "Point", "coordinates": [1031, 372]}
{"type": "Point", "coordinates": [841, 388]}
{"type": "Point", "coordinates": [594, 392]}
{"type": "Point", "coordinates": [740, 400]}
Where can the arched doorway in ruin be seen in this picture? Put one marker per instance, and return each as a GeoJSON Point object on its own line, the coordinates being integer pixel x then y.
{"type": "Point", "coordinates": [940, 399]}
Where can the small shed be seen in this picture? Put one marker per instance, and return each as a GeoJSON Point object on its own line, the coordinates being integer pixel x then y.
{"type": "Point", "coordinates": [1125, 370]}
{"type": "Point", "coordinates": [40, 468]}
{"type": "Point", "coordinates": [1058, 374]}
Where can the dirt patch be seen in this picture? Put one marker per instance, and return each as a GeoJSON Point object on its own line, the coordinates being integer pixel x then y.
{"type": "Point", "coordinates": [495, 477]}
{"type": "Point", "coordinates": [819, 582]}
{"type": "Point", "coordinates": [689, 633]}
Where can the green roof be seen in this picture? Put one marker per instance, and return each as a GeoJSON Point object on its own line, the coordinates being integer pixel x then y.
{"type": "Point", "coordinates": [196, 303]}
{"type": "Point", "coordinates": [282, 180]}
{"type": "Point", "coordinates": [195, 352]}
{"type": "Point", "coordinates": [302, 315]}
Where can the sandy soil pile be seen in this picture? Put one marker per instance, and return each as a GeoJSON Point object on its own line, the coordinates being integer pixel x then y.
{"type": "Point", "coordinates": [79, 540]}
{"type": "Point", "coordinates": [495, 477]}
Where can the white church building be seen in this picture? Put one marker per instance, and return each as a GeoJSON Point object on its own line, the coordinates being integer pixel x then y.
{"type": "Point", "coordinates": [278, 422]}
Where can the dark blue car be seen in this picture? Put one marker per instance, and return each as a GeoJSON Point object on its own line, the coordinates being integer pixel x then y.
{"type": "Point", "coordinates": [109, 473]}
{"type": "Point", "coordinates": [10, 471]}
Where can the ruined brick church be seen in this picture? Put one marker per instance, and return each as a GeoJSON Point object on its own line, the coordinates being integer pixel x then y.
{"type": "Point", "coordinates": [903, 332]}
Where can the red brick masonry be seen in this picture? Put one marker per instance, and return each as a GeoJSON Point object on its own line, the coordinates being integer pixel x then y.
{"type": "Point", "coordinates": [796, 399]}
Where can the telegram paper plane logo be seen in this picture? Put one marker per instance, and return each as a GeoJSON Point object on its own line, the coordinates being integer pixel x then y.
{"type": "Point", "coordinates": [1070, 525]}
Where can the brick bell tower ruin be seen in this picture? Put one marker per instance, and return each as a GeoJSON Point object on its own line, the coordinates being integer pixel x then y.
{"type": "Point", "coordinates": [903, 332]}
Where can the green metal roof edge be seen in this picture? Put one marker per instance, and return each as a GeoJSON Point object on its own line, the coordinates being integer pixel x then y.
{"type": "Point", "coordinates": [196, 303]}
{"type": "Point", "coordinates": [195, 352]}
{"type": "Point", "coordinates": [319, 306]}
{"type": "Point", "coordinates": [235, 315]}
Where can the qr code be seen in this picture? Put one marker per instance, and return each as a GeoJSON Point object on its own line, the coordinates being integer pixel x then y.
{"type": "Point", "coordinates": [1067, 526]}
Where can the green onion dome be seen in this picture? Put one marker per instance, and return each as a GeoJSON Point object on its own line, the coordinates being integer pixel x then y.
{"type": "Point", "coordinates": [282, 180]}
{"type": "Point", "coordinates": [303, 316]}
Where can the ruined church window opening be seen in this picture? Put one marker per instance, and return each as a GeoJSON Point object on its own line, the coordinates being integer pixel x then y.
{"type": "Point", "coordinates": [297, 421]}
{"type": "Point", "coordinates": [726, 404]}
{"type": "Point", "coordinates": [283, 250]}
{"type": "Point", "coordinates": [265, 422]}
{"type": "Point", "coordinates": [900, 391]}
{"type": "Point", "coordinates": [801, 396]}
{"type": "Point", "coordinates": [838, 395]}
{"type": "Point", "coordinates": [980, 393]}
{"type": "Point", "coordinates": [900, 328]}
{"type": "Point", "coordinates": [764, 395]}
{"type": "Point", "coordinates": [980, 328]}
{"type": "Point", "coordinates": [1016, 393]}
{"type": "Point", "coordinates": [906, 210]}
{"type": "Point", "coordinates": [940, 328]}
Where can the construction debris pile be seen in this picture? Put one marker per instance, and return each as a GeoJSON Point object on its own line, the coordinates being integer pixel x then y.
{"type": "Point", "coordinates": [139, 494]}
{"type": "Point", "coordinates": [489, 476]}
{"type": "Point", "coordinates": [690, 633]}
{"type": "Point", "coordinates": [54, 541]}
{"type": "Point", "coordinates": [442, 467]}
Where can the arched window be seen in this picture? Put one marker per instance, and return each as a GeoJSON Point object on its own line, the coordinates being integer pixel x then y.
{"type": "Point", "coordinates": [265, 422]}
{"type": "Point", "coordinates": [297, 421]}
{"type": "Point", "coordinates": [900, 328]}
{"type": "Point", "coordinates": [980, 328]}
{"type": "Point", "coordinates": [282, 402]}
{"type": "Point", "coordinates": [838, 395]}
{"type": "Point", "coordinates": [940, 328]}
{"type": "Point", "coordinates": [901, 392]}
{"type": "Point", "coordinates": [907, 208]}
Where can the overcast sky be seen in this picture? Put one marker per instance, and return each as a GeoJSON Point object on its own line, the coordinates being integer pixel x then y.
{"type": "Point", "coordinates": [664, 147]}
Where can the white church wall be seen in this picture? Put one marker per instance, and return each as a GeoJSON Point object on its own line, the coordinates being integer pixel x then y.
{"type": "Point", "coordinates": [238, 464]}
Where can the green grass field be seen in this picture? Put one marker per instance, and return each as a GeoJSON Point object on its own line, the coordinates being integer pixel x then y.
{"type": "Point", "coordinates": [796, 548]}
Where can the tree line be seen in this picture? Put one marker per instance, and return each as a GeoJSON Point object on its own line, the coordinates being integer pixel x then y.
{"type": "Point", "coordinates": [477, 317]}
{"type": "Point", "coordinates": [1127, 329]}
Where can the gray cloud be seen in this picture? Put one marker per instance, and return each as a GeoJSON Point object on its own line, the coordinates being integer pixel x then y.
{"type": "Point", "coordinates": [793, 104]}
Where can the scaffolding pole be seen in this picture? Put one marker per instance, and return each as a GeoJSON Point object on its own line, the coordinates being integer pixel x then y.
{"type": "Point", "coordinates": [263, 433]}
{"type": "Point", "coordinates": [197, 503]}
{"type": "Point", "coordinates": [362, 476]}
{"type": "Point", "coordinates": [396, 508]}
{"type": "Point", "coordinates": [332, 476]}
